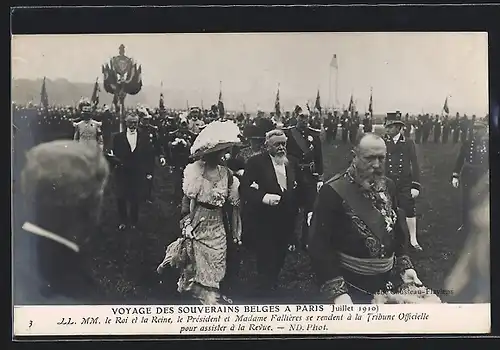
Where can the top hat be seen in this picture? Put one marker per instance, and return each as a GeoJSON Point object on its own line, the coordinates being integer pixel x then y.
{"type": "Point", "coordinates": [394, 118]}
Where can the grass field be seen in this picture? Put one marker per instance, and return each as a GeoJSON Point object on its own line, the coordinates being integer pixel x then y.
{"type": "Point", "coordinates": [125, 262]}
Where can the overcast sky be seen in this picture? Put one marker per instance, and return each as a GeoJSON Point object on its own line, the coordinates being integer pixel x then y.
{"type": "Point", "coordinates": [408, 71]}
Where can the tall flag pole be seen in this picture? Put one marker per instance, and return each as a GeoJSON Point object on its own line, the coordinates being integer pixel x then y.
{"type": "Point", "coordinates": [335, 65]}
{"type": "Point", "coordinates": [277, 107]}
{"type": "Point", "coordinates": [161, 104]}
{"type": "Point", "coordinates": [317, 104]}
{"type": "Point", "coordinates": [220, 104]}
{"type": "Point", "coordinates": [95, 93]}
{"type": "Point", "coordinates": [351, 105]}
{"type": "Point", "coordinates": [44, 97]}
{"type": "Point", "coordinates": [370, 107]}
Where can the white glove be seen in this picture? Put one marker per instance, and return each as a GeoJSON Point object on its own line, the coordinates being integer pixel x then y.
{"type": "Point", "coordinates": [319, 185]}
{"type": "Point", "coordinates": [163, 162]}
{"type": "Point", "coordinates": [188, 231]}
{"type": "Point", "coordinates": [271, 199]}
{"type": "Point", "coordinates": [414, 193]}
{"type": "Point", "coordinates": [309, 217]}
{"type": "Point", "coordinates": [454, 182]}
{"type": "Point", "coordinates": [343, 299]}
{"type": "Point", "coordinates": [240, 172]}
{"type": "Point", "coordinates": [410, 276]}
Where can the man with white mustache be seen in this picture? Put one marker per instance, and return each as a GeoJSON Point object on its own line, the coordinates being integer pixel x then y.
{"type": "Point", "coordinates": [359, 236]}
{"type": "Point", "coordinates": [269, 187]}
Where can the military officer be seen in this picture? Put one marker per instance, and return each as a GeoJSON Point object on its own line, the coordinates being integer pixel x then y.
{"type": "Point", "coordinates": [354, 127]}
{"type": "Point", "coordinates": [407, 128]}
{"type": "Point", "coordinates": [304, 146]}
{"type": "Point", "coordinates": [426, 128]}
{"type": "Point", "coordinates": [446, 129]}
{"type": "Point", "coordinates": [344, 124]}
{"type": "Point", "coordinates": [155, 150]}
{"type": "Point", "coordinates": [437, 129]}
{"type": "Point", "coordinates": [179, 144]}
{"type": "Point", "coordinates": [195, 121]}
{"type": "Point", "coordinates": [367, 123]}
{"type": "Point", "coordinates": [464, 128]}
{"type": "Point", "coordinates": [471, 165]}
{"type": "Point", "coordinates": [402, 168]}
{"type": "Point", "coordinates": [455, 127]}
{"type": "Point", "coordinates": [87, 130]}
{"type": "Point", "coordinates": [418, 125]}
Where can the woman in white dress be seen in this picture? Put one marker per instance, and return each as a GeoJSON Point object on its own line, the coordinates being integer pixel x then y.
{"type": "Point", "coordinates": [211, 204]}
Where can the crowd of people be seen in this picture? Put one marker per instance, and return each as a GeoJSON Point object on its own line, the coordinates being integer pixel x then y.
{"type": "Point", "coordinates": [240, 179]}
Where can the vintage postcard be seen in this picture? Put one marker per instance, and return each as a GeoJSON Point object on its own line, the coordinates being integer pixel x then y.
{"type": "Point", "coordinates": [250, 184]}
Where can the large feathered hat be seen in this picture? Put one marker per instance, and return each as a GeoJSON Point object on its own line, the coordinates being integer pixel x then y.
{"type": "Point", "coordinates": [216, 136]}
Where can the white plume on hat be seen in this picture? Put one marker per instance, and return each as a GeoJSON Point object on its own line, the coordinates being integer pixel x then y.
{"type": "Point", "coordinates": [214, 134]}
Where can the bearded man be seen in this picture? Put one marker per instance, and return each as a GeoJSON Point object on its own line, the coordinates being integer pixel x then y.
{"type": "Point", "coordinates": [358, 237]}
{"type": "Point", "coordinates": [269, 189]}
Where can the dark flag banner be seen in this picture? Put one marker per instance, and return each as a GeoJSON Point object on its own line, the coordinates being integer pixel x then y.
{"type": "Point", "coordinates": [95, 94]}
{"type": "Point", "coordinates": [445, 107]}
{"type": "Point", "coordinates": [317, 105]}
{"type": "Point", "coordinates": [370, 107]}
{"type": "Point", "coordinates": [351, 104]}
{"type": "Point", "coordinates": [220, 105]}
{"type": "Point", "coordinates": [44, 97]}
{"type": "Point", "coordinates": [277, 107]}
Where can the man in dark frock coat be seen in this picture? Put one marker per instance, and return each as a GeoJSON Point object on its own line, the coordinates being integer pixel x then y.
{"type": "Point", "coordinates": [269, 186]}
{"type": "Point", "coordinates": [131, 150]}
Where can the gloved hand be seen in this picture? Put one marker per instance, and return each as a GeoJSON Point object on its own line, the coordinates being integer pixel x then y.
{"type": "Point", "coordinates": [455, 182]}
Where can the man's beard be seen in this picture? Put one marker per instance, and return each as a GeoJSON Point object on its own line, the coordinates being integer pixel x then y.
{"type": "Point", "coordinates": [371, 181]}
{"type": "Point", "coordinates": [281, 159]}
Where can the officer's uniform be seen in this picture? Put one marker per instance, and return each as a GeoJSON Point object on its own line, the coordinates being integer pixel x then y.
{"type": "Point", "coordinates": [179, 145]}
{"type": "Point", "coordinates": [353, 128]}
{"type": "Point", "coordinates": [471, 165]}
{"type": "Point", "coordinates": [426, 129]}
{"type": "Point", "coordinates": [345, 127]}
{"type": "Point", "coordinates": [464, 128]}
{"type": "Point", "coordinates": [418, 125]}
{"type": "Point", "coordinates": [446, 129]}
{"type": "Point", "coordinates": [402, 168]}
{"type": "Point", "coordinates": [155, 150]}
{"type": "Point", "coordinates": [437, 130]}
{"type": "Point", "coordinates": [455, 127]}
{"type": "Point", "coordinates": [87, 130]}
{"type": "Point", "coordinates": [304, 146]}
{"type": "Point", "coordinates": [367, 124]}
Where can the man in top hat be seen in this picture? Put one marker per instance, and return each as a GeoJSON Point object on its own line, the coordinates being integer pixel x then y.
{"type": "Point", "coordinates": [269, 190]}
{"type": "Point", "coordinates": [402, 167]}
{"type": "Point", "coordinates": [155, 150]}
{"type": "Point", "coordinates": [359, 237]}
{"type": "Point", "coordinates": [471, 165]}
{"type": "Point", "coordinates": [87, 130]}
{"type": "Point", "coordinates": [131, 153]}
{"type": "Point", "coordinates": [304, 147]}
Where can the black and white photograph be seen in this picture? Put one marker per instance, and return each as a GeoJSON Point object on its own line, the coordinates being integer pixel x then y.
{"type": "Point", "coordinates": [250, 169]}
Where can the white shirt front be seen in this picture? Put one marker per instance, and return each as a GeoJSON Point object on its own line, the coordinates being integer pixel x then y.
{"type": "Point", "coordinates": [280, 171]}
{"type": "Point", "coordinates": [132, 139]}
{"type": "Point", "coordinates": [396, 138]}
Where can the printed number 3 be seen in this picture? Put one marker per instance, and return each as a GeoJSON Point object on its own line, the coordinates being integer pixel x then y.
{"type": "Point", "coordinates": [31, 323]}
